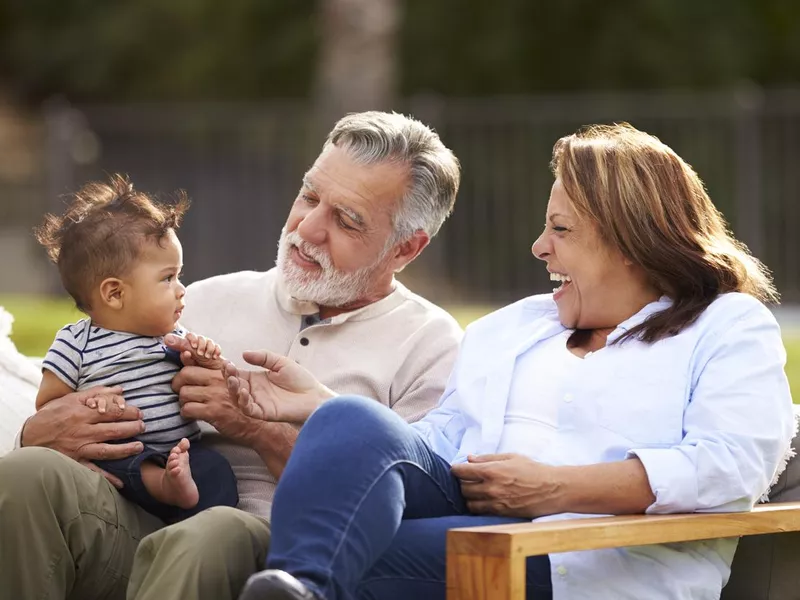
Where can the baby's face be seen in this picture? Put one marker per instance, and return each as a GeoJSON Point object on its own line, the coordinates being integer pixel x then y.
{"type": "Point", "coordinates": [154, 294]}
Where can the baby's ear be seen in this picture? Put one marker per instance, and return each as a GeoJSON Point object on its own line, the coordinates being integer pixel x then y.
{"type": "Point", "coordinates": [112, 293]}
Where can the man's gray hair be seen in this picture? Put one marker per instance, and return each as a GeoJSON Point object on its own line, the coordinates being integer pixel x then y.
{"type": "Point", "coordinates": [375, 137]}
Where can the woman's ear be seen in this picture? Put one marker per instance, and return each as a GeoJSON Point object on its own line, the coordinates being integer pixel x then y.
{"type": "Point", "coordinates": [112, 293]}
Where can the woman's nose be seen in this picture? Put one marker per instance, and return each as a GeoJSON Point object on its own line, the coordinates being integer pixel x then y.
{"type": "Point", "coordinates": [539, 249]}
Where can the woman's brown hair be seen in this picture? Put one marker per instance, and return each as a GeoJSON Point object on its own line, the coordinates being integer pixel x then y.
{"type": "Point", "coordinates": [651, 205]}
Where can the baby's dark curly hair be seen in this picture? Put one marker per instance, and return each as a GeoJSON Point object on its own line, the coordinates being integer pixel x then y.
{"type": "Point", "coordinates": [103, 231]}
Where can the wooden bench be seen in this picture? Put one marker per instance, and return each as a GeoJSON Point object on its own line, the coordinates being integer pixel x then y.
{"type": "Point", "coordinates": [488, 563]}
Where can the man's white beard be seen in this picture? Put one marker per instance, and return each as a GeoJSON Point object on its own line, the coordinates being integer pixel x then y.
{"type": "Point", "coordinates": [328, 287]}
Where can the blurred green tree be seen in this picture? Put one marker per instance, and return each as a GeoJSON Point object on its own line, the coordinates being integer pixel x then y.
{"type": "Point", "coordinates": [257, 49]}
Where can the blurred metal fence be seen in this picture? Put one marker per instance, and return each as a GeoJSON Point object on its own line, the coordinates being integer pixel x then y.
{"type": "Point", "coordinates": [242, 164]}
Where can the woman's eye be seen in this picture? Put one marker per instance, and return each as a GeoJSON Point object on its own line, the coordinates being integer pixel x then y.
{"type": "Point", "coordinates": [559, 229]}
{"type": "Point", "coordinates": [308, 199]}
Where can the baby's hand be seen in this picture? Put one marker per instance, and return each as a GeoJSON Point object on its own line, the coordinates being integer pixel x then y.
{"type": "Point", "coordinates": [203, 352]}
{"type": "Point", "coordinates": [104, 403]}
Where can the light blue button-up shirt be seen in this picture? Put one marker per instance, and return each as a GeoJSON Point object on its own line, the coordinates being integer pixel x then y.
{"type": "Point", "coordinates": [708, 412]}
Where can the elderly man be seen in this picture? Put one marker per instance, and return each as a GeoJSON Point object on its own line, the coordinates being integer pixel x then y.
{"type": "Point", "coordinates": [380, 189]}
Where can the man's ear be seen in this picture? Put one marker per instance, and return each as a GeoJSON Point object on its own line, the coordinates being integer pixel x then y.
{"type": "Point", "coordinates": [112, 293]}
{"type": "Point", "coordinates": [408, 250]}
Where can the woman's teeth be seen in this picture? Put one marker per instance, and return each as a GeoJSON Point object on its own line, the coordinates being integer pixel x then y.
{"type": "Point", "coordinates": [563, 279]}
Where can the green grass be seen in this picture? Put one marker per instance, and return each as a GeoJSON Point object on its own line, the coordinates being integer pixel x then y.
{"type": "Point", "coordinates": [37, 318]}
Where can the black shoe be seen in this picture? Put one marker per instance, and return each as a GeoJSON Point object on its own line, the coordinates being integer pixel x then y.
{"type": "Point", "coordinates": [275, 585]}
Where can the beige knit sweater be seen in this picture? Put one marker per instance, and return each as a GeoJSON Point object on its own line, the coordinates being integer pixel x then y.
{"type": "Point", "coordinates": [399, 351]}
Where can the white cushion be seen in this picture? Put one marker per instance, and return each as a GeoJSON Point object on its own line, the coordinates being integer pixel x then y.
{"type": "Point", "coordinates": [19, 381]}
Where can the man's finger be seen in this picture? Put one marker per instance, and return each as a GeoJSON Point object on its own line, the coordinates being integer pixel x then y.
{"type": "Point", "coordinates": [233, 386]}
{"type": "Point", "coordinates": [196, 410]}
{"type": "Point", "coordinates": [115, 481]}
{"type": "Point", "coordinates": [118, 430]}
{"type": "Point", "coordinates": [176, 342]}
{"type": "Point", "coordinates": [188, 359]}
{"type": "Point", "coordinates": [230, 370]}
{"type": "Point", "coordinates": [197, 393]}
{"type": "Point", "coordinates": [115, 412]}
{"type": "Point", "coordinates": [196, 376]}
{"type": "Point", "coordinates": [110, 451]}
{"type": "Point", "coordinates": [84, 395]}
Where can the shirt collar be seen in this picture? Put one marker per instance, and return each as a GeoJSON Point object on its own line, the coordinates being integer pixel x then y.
{"type": "Point", "coordinates": [662, 303]}
{"type": "Point", "coordinates": [299, 307]}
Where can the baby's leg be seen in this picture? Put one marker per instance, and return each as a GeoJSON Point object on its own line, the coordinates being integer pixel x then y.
{"type": "Point", "coordinates": [173, 484]}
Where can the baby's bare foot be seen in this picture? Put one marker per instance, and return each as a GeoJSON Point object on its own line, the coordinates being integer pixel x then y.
{"type": "Point", "coordinates": [178, 484]}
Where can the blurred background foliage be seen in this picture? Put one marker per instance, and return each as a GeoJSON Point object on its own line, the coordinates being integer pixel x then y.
{"type": "Point", "coordinates": [151, 50]}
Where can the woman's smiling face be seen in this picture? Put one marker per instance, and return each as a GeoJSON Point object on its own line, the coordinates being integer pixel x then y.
{"type": "Point", "coordinates": [594, 280]}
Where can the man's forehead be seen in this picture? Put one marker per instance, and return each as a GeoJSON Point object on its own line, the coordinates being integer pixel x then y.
{"type": "Point", "coordinates": [365, 187]}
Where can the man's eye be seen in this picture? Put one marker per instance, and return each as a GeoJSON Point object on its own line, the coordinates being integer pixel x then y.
{"type": "Point", "coordinates": [309, 199]}
{"type": "Point", "coordinates": [344, 225]}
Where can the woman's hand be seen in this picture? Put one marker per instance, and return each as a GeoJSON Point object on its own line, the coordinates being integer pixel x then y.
{"type": "Point", "coordinates": [284, 391]}
{"type": "Point", "coordinates": [509, 485]}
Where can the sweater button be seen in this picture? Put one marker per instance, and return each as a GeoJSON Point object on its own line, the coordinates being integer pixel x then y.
{"type": "Point", "coordinates": [304, 341]}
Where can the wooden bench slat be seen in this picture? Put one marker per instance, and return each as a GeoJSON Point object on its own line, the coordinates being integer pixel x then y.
{"type": "Point", "coordinates": [531, 539]}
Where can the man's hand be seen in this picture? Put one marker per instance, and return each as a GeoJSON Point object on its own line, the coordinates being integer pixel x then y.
{"type": "Point", "coordinates": [204, 396]}
{"type": "Point", "coordinates": [510, 485]}
{"type": "Point", "coordinates": [197, 350]}
{"type": "Point", "coordinates": [71, 426]}
{"type": "Point", "coordinates": [284, 391]}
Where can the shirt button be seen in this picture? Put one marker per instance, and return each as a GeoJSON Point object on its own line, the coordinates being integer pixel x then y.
{"type": "Point", "coordinates": [561, 570]}
{"type": "Point", "coordinates": [567, 397]}
{"type": "Point", "coordinates": [304, 341]}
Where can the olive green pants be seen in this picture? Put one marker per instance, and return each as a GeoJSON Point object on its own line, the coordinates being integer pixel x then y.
{"type": "Point", "coordinates": [65, 533]}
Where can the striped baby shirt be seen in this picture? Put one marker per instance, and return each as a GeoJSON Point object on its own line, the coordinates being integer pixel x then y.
{"type": "Point", "coordinates": [84, 355]}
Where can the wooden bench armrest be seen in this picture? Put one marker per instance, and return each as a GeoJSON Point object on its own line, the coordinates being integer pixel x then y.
{"type": "Point", "coordinates": [489, 562]}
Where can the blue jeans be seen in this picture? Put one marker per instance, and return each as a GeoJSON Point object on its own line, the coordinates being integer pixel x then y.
{"type": "Point", "coordinates": [363, 507]}
{"type": "Point", "coordinates": [210, 471]}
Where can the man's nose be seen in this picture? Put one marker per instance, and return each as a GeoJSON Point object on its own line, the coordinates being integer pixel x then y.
{"type": "Point", "coordinates": [312, 227]}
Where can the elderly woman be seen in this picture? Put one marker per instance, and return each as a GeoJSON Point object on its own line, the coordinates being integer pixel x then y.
{"type": "Point", "coordinates": [650, 381]}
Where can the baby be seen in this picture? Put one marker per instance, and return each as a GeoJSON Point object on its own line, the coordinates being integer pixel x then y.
{"type": "Point", "coordinates": [120, 260]}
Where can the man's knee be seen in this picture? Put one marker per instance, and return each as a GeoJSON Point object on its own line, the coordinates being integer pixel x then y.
{"type": "Point", "coordinates": [29, 470]}
{"type": "Point", "coordinates": [213, 532]}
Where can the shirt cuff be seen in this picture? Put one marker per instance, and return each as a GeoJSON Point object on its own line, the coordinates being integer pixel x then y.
{"type": "Point", "coordinates": [18, 439]}
{"type": "Point", "coordinates": [673, 479]}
